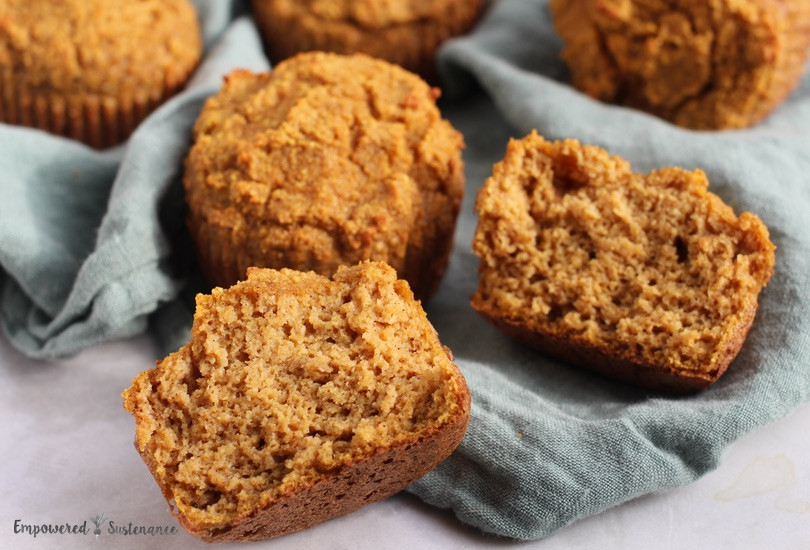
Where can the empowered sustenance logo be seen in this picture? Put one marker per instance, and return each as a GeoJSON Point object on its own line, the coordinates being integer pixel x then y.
{"type": "Point", "coordinates": [102, 526]}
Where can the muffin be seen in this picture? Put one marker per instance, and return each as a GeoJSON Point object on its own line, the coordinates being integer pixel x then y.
{"type": "Point", "coordinates": [702, 65]}
{"type": "Point", "coordinates": [92, 70]}
{"type": "Point", "coordinates": [649, 279]}
{"type": "Point", "coordinates": [406, 32]}
{"type": "Point", "coordinates": [298, 399]}
{"type": "Point", "coordinates": [326, 161]}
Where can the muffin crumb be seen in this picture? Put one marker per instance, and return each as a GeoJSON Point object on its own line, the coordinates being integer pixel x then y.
{"type": "Point", "coordinates": [650, 279]}
{"type": "Point", "coordinates": [298, 398]}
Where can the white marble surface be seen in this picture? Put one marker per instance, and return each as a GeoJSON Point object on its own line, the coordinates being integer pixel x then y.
{"type": "Point", "coordinates": [67, 455]}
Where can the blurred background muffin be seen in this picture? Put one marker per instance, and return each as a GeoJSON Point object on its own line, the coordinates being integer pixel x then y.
{"type": "Point", "coordinates": [326, 161]}
{"type": "Point", "coordinates": [405, 32]}
{"type": "Point", "coordinates": [92, 70]}
{"type": "Point", "coordinates": [702, 65]}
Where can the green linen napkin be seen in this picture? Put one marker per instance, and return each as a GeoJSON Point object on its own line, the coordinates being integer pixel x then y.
{"type": "Point", "coordinates": [92, 248]}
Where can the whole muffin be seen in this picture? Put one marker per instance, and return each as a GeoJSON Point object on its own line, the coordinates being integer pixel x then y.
{"type": "Point", "coordinates": [649, 278]}
{"type": "Point", "coordinates": [702, 65]}
{"type": "Point", "coordinates": [92, 70]}
{"type": "Point", "coordinates": [406, 32]}
{"type": "Point", "coordinates": [326, 161]}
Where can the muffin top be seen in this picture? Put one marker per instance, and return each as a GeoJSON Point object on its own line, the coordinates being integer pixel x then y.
{"type": "Point", "coordinates": [326, 161]}
{"type": "Point", "coordinates": [99, 47]}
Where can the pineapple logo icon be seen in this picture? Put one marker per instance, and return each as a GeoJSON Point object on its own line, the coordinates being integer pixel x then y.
{"type": "Point", "coordinates": [98, 521]}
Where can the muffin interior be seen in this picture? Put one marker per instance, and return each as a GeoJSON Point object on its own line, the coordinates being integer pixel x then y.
{"type": "Point", "coordinates": [653, 268]}
{"type": "Point", "coordinates": [290, 376]}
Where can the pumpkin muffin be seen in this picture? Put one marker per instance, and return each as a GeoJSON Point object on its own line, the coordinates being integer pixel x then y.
{"type": "Point", "coordinates": [702, 65]}
{"type": "Point", "coordinates": [298, 399]}
{"type": "Point", "coordinates": [406, 32]}
{"type": "Point", "coordinates": [326, 161]}
{"type": "Point", "coordinates": [92, 70]}
{"type": "Point", "coordinates": [646, 278]}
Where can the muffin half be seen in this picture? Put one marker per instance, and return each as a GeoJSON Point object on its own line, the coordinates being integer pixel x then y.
{"type": "Point", "coordinates": [645, 278]}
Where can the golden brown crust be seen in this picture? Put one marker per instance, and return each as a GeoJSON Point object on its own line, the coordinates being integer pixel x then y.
{"type": "Point", "coordinates": [92, 70]}
{"type": "Point", "coordinates": [406, 33]}
{"type": "Point", "coordinates": [326, 161]}
{"type": "Point", "coordinates": [702, 65]}
{"type": "Point", "coordinates": [298, 399]}
{"type": "Point", "coordinates": [649, 279]}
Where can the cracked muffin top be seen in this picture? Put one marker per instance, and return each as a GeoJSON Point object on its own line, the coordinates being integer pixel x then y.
{"type": "Point", "coordinates": [326, 161]}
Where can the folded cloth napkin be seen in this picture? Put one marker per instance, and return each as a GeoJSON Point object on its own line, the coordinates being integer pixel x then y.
{"type": "Point", "coordinates": [92, 249]}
